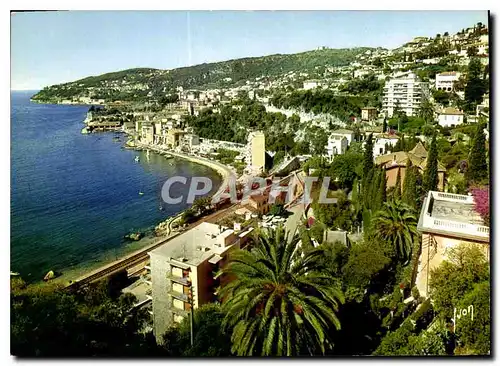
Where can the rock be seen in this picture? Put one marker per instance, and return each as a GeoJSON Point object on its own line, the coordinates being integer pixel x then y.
{"type": "Point", "coordinates": [49, 276]}
{"type": "Point", "coordinates": [134, 236]}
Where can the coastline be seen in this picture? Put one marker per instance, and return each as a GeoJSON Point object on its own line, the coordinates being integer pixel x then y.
{"type": "Point", "coordinates": [225, 172]}
{"type": "Point", "coordinates": [162, 229]}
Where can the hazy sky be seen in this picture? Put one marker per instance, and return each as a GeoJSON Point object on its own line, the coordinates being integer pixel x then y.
{"type": "Point", "coordinates": [53, 47]}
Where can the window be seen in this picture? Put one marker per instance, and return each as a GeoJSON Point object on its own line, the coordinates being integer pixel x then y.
{"type": "Point", "coordinates": [178, 288]}
{"type": "Point", "coordinates": [178, 304]}
{"type": "Point", "coordinates": [177, 272]}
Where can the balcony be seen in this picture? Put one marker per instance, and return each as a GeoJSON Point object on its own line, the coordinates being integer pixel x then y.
{"type": "Point", "coordinates": [179, 295]}
{"type": "Point", "coordinates": [177, 311]}
{"type": "Point", "coordinates": [182, 280]}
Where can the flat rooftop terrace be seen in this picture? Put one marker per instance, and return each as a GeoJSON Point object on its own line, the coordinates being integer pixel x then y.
{"type": "Point", "coordinates": [452, 215]}
{"type": "Point", "coordinates": [456, 211]}
{"type": "Point", "coordinates": [196, 245]}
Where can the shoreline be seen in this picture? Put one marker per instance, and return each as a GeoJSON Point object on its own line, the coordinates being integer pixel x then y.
{"type": "Point", "coordinates": [162, 230]}
{"type": "Point", "coordinates": [225, 172]}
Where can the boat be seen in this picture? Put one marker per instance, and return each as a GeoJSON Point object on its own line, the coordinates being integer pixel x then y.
{"type": "Point", "coordinates": [161, 208]}
{"type": "Point", "coordinates": [137, 159]}
{"type": "Point", "coordinates": [141, 193]}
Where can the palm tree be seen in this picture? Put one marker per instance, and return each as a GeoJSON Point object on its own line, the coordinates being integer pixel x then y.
{"type": "Point", "coordinates": [396, 224]}
{"type": "Point", "coordinates": [281, 301]}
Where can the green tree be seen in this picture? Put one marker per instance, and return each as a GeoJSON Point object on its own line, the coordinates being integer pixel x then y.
{"type": "Point", "coordinates": [430, 181]}
{"type": "Point", "coordinates": [475, 336]}
{"type": "Point", "coordinates": [426, 111]}
{"type": "Point", "coordinates": [210, 337]}
{"type": "Point", "coordinates": [48, 321]}
{"type": "Point", "coordinates": [396, 193]}
{"type": "Point", "coordinates": [475, 86]}
{"type": "Point", "coordinates": [368, 155]}
{"type": "Point", "coordinates": [477, 170]}
{"type": "Point", "coordinates": [465, 266]}
{"type": "Point", "coordinates": [346, 168]}
{"type": "Point", "coordinates": [410, 195]}
{"type": "Point", "coordinates": [382, 190]}
{"type": "Point", "coordinates": [396, 225]}
{"type": "Point", "coordinates": [279, 303]}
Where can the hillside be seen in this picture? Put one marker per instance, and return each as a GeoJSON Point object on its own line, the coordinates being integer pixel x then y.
{"type": "Point", "coordinates": [146, 83]}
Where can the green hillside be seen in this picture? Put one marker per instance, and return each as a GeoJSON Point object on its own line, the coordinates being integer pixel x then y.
{"type": "Point", "coordinates": [147, 83]}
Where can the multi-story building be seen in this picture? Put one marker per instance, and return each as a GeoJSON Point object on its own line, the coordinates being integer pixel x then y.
{"type": "Point", "coordinates": [395, 163]}
{"type": "Point", "coordinates": [348, 134]}
{"type": "Point", "coordinates": [174, 137]}
{"type": "Point", "coordinates": [256, 151]}
{"type": "Point", "coordinates": [147, 132]}
{"type": "Point", "coordinates": [382, 142]}
{"type": "Point", "coordinates": [337, 144]}
{"type": "Point", "coordinates": [447, 220]}
{"type": "Point", "coordinates": [185, 272]}
{"type": "Point", "coordinates": [368, 113]}
{"type": "Point", "coordinates": [446, 80]}
{"type": "Point", "coordinates": [450, 117]}
{"type": "Point", "coordinates": [404, 92]}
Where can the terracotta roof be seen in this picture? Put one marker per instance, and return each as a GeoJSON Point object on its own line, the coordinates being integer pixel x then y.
{"type": "Point", "coordinates": [400, 158]}
{"type": "Point", "coordinates": [342, 131]}
{"type": "Point", "coordinates": [451, 110]}
{"type": "Point", "coordinates": [448, 73]}
{"type": "Point", "coordinates": [419, 150]}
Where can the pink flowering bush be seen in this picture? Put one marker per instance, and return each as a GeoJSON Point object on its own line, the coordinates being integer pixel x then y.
{"type": "Point", "coordinates": [482, 202]}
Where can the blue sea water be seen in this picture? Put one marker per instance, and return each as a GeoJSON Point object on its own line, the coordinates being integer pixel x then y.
{"type": "Point", "coordinates": [74, 196]}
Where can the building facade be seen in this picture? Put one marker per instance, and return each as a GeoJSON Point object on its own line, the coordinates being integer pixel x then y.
{"type": "Point", "coordinates": [256, 151]}
{"type": "Point", "coordinates": [405, 92]}
{"type": "Point", "coordinates": [450, 117]}
{"type": "Point", "coordinates": [337, 144]}
{"type": "Point", "coordinates": [446, 80]}
{"type": "Point", "coordinates": [446, 221]}
{"type": "Point", "coordinates": [368, 114]}
{"type": "Point", "coordinates": [395, 163]}
{"type": "Point", "coordinates": [185, 272]}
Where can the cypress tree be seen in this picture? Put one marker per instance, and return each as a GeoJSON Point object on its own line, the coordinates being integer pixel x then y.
{"type": "Point", "coordinates": [475, 86]}
{"type": "Point", "coordinates": [410, 185]}
{"type": "Point", "coordinates": [384, 126]}
{"type": "Point", "coordinates": [368, 156]}
{"type": "Point", "coordinates": [376, 204]}
{"type": "Point", "coordinates": [367, 189]}
{"type": "Point", "coordinates": [477, 170]}
{"type": "Point", "coordinates": [382, 191]}
{"type": "Point", "coordinates": [430, 182]}
{"type": "Point", "coordinates": [397, 187]}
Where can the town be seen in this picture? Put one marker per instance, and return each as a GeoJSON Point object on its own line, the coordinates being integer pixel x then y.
{"type": "Point", "coordinates": [403, 136]}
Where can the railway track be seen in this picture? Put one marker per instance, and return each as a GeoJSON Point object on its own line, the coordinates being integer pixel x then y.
{"type": "Point", "coordinates": [109, 270]}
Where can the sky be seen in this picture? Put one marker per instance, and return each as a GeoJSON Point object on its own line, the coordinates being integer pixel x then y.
{"type": "Point", "coordinates": [53, 47]}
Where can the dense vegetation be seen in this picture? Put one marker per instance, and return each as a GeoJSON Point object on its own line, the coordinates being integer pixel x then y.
{"type": "Point", "coordinates": [325, 101]}
{"type": "Point", "coordinates": [207, 75]}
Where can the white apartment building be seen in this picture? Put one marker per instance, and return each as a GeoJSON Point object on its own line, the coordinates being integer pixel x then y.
{"type": "Point", "coordinates": [405, 92]}
{"type": "Point", "coordinates": [379, 145]}
{"type": "Point", "coordinates": [185, 272]}
{"type": "Point", "coordinates": [348, 134]}
{"type": "Point", "coordinates": [337, 144]}
{"type": "Point", "coordinates": [445, 80]}
{"type": "Point", "coordinates": [450, 117]}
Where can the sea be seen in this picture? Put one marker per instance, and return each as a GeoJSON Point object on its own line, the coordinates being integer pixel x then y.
{"type": "Point", "coordinates": [74, 197]}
